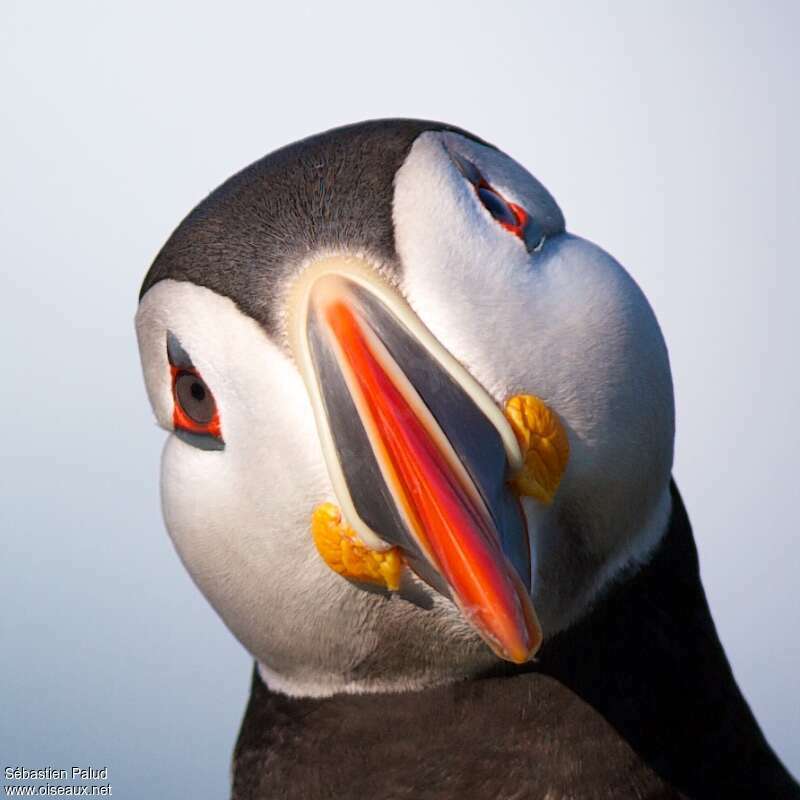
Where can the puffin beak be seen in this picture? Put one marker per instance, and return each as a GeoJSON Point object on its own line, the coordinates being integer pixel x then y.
{"type": "Point", "coordinates": [418, 453]}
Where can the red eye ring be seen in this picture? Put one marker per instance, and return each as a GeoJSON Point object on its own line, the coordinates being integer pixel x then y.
{"type": "Point", "coordinates": [206, 416]}
{"type": "Point", "coordinates": [522, 220]}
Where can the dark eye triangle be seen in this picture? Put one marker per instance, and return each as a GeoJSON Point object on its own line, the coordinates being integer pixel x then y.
{"type": "Point", "coordinates": [177, 356]}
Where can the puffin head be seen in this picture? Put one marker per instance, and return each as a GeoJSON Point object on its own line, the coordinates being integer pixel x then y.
{"type": "Point", "coordinates": [414, 425]}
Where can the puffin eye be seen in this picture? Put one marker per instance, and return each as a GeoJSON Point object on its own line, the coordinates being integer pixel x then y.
{"type": "Point", "coordinates": [497, 207]}
{"type": "Point", "coordinates": [195, 415]}
{"type": "Point", "coordinates": [512, 217]}
{"type": "Point", "coordinates": [195, 398]}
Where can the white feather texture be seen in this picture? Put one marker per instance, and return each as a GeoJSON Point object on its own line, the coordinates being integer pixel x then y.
{"type": "Point", "coordinates": [240, 518]}
{"type": "Point", "coordinates": [566, 323]}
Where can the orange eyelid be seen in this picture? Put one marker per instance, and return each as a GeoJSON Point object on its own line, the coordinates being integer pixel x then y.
{"type": "Point", "coordinates": [180, 419]}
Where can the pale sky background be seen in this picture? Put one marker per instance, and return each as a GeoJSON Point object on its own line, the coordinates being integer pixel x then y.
{"type": "Point", "coordinates": [668, 132]}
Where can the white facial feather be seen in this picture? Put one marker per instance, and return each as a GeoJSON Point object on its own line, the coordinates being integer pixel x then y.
{"type": "Point", "coordinates": [240, 517]}
{"type": "Point", "coordinates": [566, 323]}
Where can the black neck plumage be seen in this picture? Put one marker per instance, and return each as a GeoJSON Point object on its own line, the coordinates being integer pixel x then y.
{"type": "Point", "coordinates": [637, 700]}
{"type": "Point", "coordinates": [649, 660]}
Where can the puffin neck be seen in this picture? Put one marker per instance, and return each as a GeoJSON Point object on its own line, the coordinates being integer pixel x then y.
{"type": "Point", "coordinates": [649, 660]}
{"type": "Point", "coordinates": [641, 686]}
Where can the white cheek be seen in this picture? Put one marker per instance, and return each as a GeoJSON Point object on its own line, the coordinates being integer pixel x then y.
{"type": "Point", "coordinates": [259, 491]}
{"type": "Point", "coordinates": [567, 324]}
{"type": "Point", "coordinates": [460, 269]}
{"type": "Point", "coordinates": [242, 532]}
{"type": "Point", "coordinates": [238, 517]}
{"type": "Point", "coordinates": [511, 319]}
{"type": "Point", "coordinates": [194, 483]}
{"type": "Point", "coordinates": [151, 332]}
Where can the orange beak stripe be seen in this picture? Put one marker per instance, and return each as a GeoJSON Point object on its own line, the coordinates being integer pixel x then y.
{"type": "Point", "coordinates": [451, 529]}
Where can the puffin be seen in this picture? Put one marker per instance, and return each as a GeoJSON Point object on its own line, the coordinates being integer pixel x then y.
{"type": "Point", "coordinates": [420, 463]}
